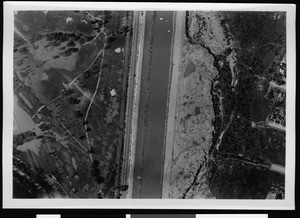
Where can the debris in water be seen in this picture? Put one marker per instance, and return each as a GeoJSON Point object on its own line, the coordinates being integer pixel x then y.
{"type": "Point", "coordinates": [113, 92]}
{"type": "Point", "coordinates": [69, 19]}
{"type": "Point", "coordinates": [118, 50]}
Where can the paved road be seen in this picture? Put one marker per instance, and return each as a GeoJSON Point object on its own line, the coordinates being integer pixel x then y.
{"type": "Point", "coordinates": [128, 145]}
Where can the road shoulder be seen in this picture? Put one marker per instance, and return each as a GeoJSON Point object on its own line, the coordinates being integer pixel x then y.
{"type": "Point", "coordinates": [178, 40]}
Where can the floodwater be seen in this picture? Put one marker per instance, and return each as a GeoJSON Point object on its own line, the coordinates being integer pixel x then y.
{"type": "Point", "coordinates": [153, 103]}
{"type": "Point", "coordinates": [22, 121]}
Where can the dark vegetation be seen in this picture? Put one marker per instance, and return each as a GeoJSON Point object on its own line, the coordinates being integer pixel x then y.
{"type": "Point", "coordinates": [95, 171]}
{"type": "Point", "coordinates": [235, 180]}
{"type": "Point", "coordinates": [23, 137]}
{"type": "Point", "coordinates": [66, 115]}
{"type": "Point", "coordinates": [108, 133]}
{"type": "Point", "coordinates": [28, 184]}
{"type": "Point", "coordinates": [261, 39]}
{"type": "Point", "coordinates": [56, 21]}
{"type": "Point", "coordinates": [252, 30]}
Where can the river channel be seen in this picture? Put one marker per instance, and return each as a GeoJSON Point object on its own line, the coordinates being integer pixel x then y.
{"type": "Point", "coordinates": [153, 103]}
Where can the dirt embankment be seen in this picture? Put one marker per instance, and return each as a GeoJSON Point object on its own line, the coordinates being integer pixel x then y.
{"type": "Point", "coordinates": [192, 129]}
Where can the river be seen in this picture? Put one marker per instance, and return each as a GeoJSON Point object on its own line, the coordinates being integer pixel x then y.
{"type": "Point", "coordinates": [152, 106]}
{"type": "Point", "coordinates": [22, 122]}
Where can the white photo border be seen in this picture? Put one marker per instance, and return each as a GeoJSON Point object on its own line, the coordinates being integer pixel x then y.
{"type": "Point", "coordinates": [9, 202]}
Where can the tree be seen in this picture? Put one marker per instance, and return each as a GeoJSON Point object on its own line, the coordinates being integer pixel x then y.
{"type": "Point", "coordinates": [99, 179]}
{"type": "Point", "coordinates": [100, 195]}
{"type": "Point", "coordinates": [124, 188]}
{"type": "Point", "coordinates": [95, 163]}
{"type": "Point", "coordinates": [73, 100]}
{"type": "Point", "coordinates": [124, 29]}
{"type": "Point", "coordinates": [95, 172]}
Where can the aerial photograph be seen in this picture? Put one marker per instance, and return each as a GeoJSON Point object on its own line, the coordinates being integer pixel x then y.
{"type": "Point", "coordinates": [149, 104]}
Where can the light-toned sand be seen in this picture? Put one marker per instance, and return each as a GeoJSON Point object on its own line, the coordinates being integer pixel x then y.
{"type": "Point", "coordinates": [189, 128]}
{"type": "Point", "coordinates": [176, 56]}
{"type": "Point", "coordinates": [206, 28]}
{"type": "Point", "coordinates": [135, 106]}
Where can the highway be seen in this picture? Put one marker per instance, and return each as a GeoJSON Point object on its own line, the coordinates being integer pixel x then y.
{"type": "Point", "coordinates": [132, 101]}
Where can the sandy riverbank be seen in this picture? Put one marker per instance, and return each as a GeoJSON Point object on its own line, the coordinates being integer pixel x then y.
{"type": "Point", "coordinates": [178, 39]}
{"type": "Point", "coordinates": [190, 113]}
